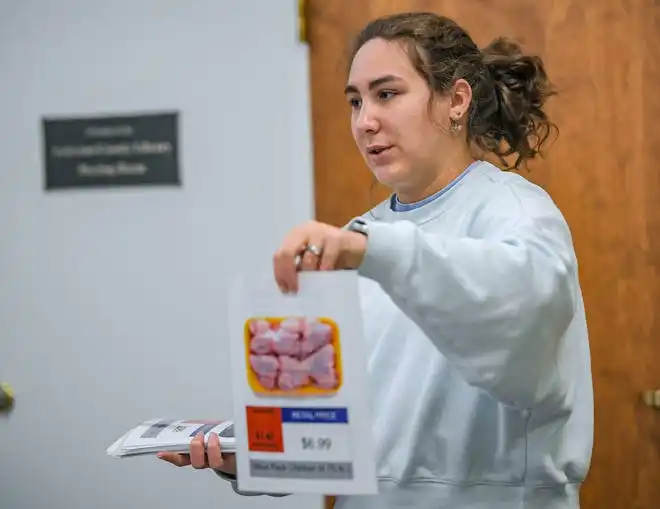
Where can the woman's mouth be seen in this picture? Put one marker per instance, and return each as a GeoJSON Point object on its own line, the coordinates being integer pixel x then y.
{"type": "Point", "coordinates": [379, 153]}
{"type": "Point", "coordinates": [377, 149]}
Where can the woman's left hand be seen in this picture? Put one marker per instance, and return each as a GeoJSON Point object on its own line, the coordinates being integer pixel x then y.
{"type": "Point", "coordinates": [320, 247]}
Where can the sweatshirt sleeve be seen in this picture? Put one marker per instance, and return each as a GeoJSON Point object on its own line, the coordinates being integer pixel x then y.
{"type": "Point", "coordinates": [231, 479]}
{"type": "Point", "coordinates": [496, 307]}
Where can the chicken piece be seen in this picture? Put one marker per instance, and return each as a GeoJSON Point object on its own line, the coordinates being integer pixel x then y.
{"type": "Point", "coordinates": [321, 366]}
{"type": "Point", "coordinates": [293, 373]}
{"type": "Point", "coordinates": [258, 326]}
{"type": "Point", "coordinates": [262, 343]}
{"type": "Point", "coordinates": [286, 343]}
{"type": "Point", "coordinates": [294, 324]}
{"type": "Point", "coordinates": [266, 368]}
{"type": "Point", "coordinates": [315, 336]}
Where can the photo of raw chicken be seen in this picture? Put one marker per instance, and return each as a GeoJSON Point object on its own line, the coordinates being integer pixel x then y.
{"type": "Point", "coordinates": [293, 356]}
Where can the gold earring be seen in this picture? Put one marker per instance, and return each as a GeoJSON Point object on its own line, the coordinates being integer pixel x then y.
{"type": "Point", "coordinates": [454, 127]}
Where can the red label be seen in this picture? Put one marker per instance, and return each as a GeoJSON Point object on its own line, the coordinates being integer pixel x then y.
{"type": "Point", "coordinates": [264, 428]}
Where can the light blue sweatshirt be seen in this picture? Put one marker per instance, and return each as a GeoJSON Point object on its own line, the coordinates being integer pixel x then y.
{"type": "Point", "coordinates": [479, 361]}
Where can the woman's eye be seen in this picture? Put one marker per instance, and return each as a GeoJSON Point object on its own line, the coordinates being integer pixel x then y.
{"type": "Point", "coordinates": [355, 103]}
{"type": "Point", "coordinates": [386, 94]}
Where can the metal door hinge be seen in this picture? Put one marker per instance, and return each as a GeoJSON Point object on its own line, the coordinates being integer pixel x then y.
{"type": "Point", "coordinates": [6, 397]}
{"type": "Point", "coordinates": [652, 398]}
{"type": "Point", "coordinates": [302, 21]}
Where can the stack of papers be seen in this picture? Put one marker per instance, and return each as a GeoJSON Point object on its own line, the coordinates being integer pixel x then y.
{"type": "Point", "coordinates": [167, 435]}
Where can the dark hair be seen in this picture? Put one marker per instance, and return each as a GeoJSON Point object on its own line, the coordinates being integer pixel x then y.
{"type": "Point", "coordinates": [509, 89]}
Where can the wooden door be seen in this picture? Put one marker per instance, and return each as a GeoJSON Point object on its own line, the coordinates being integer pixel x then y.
{"type": "Point", "coordinates": [604, 55]}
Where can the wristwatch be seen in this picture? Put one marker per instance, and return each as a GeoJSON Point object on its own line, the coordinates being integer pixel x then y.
{"type": "Point", "coordinates": [358, 225]}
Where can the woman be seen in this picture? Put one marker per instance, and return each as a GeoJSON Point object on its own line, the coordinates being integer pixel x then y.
{"type": "Point", "coordinates": [479, 359]}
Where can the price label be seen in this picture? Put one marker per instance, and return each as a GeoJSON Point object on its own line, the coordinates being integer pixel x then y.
{"type": "Point", "coordinates": [264, 429]}
{"type": "Point", "coordinates": [320, 443]}
{"type": "Point", "coordinates": [317, 433]}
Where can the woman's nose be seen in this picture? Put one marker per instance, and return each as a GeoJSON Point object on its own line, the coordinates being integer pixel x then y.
{"type": "Point", "coordinates": [367, 120]}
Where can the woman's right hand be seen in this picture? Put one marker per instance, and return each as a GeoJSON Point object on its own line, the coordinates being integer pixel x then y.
{"type": "Point", "coordinates": [199, 458]}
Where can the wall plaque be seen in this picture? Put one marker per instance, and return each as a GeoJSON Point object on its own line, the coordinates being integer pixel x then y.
{"type": "Point", "coordinates": [111, 151]}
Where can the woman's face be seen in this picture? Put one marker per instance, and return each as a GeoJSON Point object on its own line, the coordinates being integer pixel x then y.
{"type": "Point", "coordinates": [391, 121]}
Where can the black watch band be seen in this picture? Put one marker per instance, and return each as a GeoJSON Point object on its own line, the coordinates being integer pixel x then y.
{"type": "Point", "coordinates": [359, 225]}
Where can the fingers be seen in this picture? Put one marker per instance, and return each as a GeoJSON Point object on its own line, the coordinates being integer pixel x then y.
{"type": "Point", "coordinates": [318, 245]}
{"type": "Point", "coordinates": [178, 460]}
{"type": "Point", "coordinates": [313, 253]}
{"type": "Point", "coordinates": [284, 261]}
{"type": "Point", "coordinates": [229, 463]}
{"type": "Point", "coordinates": [198, 452]}
{"type": "Point", "coordinates": [201, 456]}
{"type": "Point", "coordinates": [331, 252]}
{"type": "Point", "coordinates": [214, 453]}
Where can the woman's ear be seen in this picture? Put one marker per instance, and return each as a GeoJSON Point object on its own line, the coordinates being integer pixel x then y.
{"type": "Point", "coordinates": [460, 99]}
